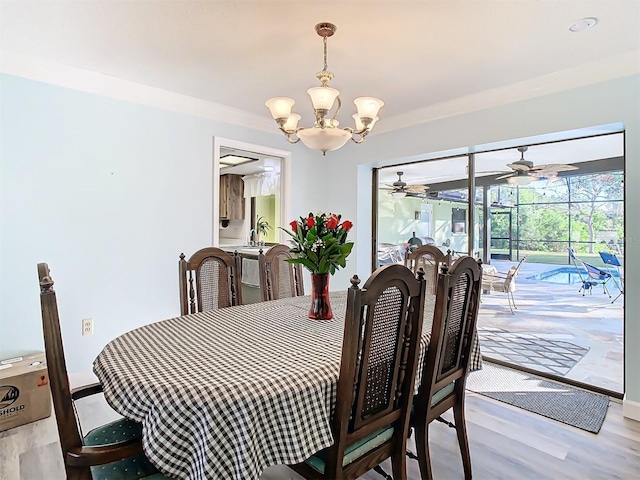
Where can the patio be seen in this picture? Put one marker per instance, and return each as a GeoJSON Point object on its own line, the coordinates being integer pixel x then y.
{"type": "Point", "coordinates": [558, 312]}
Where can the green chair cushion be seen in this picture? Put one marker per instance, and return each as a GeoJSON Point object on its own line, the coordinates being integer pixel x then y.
{"type": "Point", "coordinates": [353, 451]}
{"type": "Point", "coordinates": [131, 468]}
{"type": "Point", "coordinates": [442, 393]}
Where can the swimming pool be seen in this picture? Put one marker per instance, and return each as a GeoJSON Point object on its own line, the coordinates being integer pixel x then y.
{"type": "Point", "coordinates": [565, 275]}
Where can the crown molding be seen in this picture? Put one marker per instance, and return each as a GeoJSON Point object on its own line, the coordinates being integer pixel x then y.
{"type": "Point", "coordinates": [607, 69]}
{"type": "Point", "coordinates": [41, 70]}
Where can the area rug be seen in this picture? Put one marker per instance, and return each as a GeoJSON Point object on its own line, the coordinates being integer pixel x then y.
{"type": "Point", "coordinates": [557, 401]}
{"type": "Point", "coordinates": [531, 351]}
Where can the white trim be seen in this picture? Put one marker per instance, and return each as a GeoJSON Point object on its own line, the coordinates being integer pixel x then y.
{"type": "Point", "coordinates": [285, 180]}
{"type": "Point", "coordinates": [631, 409]}
{"type": "Point", "coordinates": [41, 70]}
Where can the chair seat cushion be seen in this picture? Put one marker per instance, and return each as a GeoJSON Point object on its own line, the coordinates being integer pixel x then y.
{"type": "Point", "coordinates": [135, 467]}
{"type": "Point", "coordinates": [353, 451]}
{"type": "Point", "coordinates": [436, 397]}
{"type": "Point", "coordinates": [442, 393]}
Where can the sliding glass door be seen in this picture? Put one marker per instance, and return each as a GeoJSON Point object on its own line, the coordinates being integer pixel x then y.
{"type": "Point", "coordinates": [529, 206]}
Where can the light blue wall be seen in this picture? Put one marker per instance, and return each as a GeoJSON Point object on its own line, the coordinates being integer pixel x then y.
{"type": "Point", "coordinates": [108, 193]}
{"type": "Point", "coordinates": [615, 101]}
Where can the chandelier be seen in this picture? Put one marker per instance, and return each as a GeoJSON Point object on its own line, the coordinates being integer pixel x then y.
{"type": "Point", "coordinates": [325, 135]}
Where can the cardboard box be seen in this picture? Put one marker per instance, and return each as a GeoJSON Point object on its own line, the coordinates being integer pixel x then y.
{"type": "Point", "coordinates": [24, 390]}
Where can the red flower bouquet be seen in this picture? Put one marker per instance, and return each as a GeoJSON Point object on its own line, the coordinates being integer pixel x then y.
{"type": "Point", "coordinates": [320, 242]}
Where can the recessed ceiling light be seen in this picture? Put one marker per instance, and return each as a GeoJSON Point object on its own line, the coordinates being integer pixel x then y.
{"type": "Point", "coordinates": [583, 24]}
{"type": "Point", "coordinates": [234, 160]}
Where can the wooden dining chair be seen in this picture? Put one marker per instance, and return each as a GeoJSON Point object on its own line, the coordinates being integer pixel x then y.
{"type": "Point", "coordinates": [110, 451]}
{"type": "Point", "coordinates": [209, 280]}
{"type": "Point", "coordinates": [430, 258]}
{"type": "Point", "coordinates": [446, 365]}
{"type": "Point", "coordinates": [380, 348]}
{"type": "Point", "coordinates": [278, 278]}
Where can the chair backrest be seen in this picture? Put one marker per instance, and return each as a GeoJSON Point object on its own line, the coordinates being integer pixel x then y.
{"type": "Point", "coordinates": [77, 458]}
{"type": "Point", "coordinates": [576, 263]}
{"type": "Point", "coordinates": [510, 280]}
{"type": "Point", "coordinates": [70, 437]}
{"type": "Point", "coordinates": [278, 278]}
{"type": "Point", "coordinates": [452, 334]}
{"type": "Point", "coordinates": [383, 326]}
{"type": "Point", "coordinates": [428, 240]}
{"type": "Point", "coordinates": [610, 259]}
{"type": "Point", "coordinates": [209, 280]}
{"type": "Point", "coordinates": [592, 272]}
{"type": "Point", "coordinates": [430, 258]}
{"type": "Point", "coordinates": [596, 273]}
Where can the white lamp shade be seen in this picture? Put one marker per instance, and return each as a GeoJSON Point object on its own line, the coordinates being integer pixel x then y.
{"type": "Point", "coordinates": [280, 107]}
{"type": "Point", "coordinates": [520, 180]}
{"type": "Point", "coordinates": [368, 106]}
{"type": "Point", "coordinates": [399, 194]}
{"type": "Point", "coordinates": [324, 139]}
{"type": "Point", "coordinates": [292, 122]}
{"type": "Point", "coordinates": [323, 97]}
{"type": "Point", "coordinates": [359, 124]}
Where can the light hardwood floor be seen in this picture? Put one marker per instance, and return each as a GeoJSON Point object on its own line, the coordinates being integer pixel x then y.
{"type": "Point", "coordinates": [505, 443]}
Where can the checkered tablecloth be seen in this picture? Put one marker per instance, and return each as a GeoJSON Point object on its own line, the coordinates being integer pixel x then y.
{"type": "Point", "coordinates": [230, 392]}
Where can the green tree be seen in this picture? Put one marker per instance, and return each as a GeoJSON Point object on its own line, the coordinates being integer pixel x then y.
{"type": "Point", "coordinates": [589, 195]}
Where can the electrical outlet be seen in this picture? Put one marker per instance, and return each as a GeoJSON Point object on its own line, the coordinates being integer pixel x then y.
{"type": "Point", "coordinates": [87, 326]}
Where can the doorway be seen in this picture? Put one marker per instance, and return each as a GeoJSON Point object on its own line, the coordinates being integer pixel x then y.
{"type": "Point", "coordinates": [501, 232]}
{"type": "Point", "coordinates": [265, 162]}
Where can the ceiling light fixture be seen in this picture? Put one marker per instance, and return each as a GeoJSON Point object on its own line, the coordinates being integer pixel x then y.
{"type": "Point", "coordinates": [399, 194]}
{"type": "Point", "coordinates": [520, 180]}
{"type": "Point", "coordinates": [231, 160]}
{"type": "Point", "coordinates": [325, 135]}
{"type": "Point", "coordinates": [583, 24]}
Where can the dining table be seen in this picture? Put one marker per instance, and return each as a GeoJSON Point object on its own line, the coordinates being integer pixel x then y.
{"type": "Point", "coordinates": [227, 393]}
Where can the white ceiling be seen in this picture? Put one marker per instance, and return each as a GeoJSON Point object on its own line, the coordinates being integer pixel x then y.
{"type": "Point", "coordinates": [262, 164]}
{"type": "Point", "coordinates": [411, 54]}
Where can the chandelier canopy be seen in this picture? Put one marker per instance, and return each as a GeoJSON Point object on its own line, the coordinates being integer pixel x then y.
{"type": "Point", "coordinates": [325, 134]}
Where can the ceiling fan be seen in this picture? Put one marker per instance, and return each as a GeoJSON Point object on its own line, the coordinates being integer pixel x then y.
{"type": "Point", "coordinates": [400, 189]}
{"type": "Point", "coordinates": [524, 171]}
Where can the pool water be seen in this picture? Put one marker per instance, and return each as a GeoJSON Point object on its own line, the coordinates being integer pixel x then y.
{"type": "Point", "coordinates": [565, 275]}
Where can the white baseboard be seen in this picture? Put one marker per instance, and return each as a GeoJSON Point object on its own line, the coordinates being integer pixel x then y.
{"type": "Point", "coordinates": [631, 409]}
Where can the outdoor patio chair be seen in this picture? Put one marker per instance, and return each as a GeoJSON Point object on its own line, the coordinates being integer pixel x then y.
{"type": "Point", "coordinates": [389, 253]}
{"type": "Point", "coordinates": [492, 280]}
{"type": "Point", "coordinates": [590, 275]}
{"type": "Point", "coordinates": [611, 260]}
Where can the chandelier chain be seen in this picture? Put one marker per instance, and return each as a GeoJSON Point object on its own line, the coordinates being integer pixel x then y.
{"type": "Point", "coordinates": [325, 53]}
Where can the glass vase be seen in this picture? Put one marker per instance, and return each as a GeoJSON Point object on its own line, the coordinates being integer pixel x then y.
{"type": "Point", "coordinates": [320, 305]}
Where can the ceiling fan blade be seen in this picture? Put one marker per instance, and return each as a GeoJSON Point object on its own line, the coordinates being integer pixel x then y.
{"type": "Point", "coordinates": [508, 175]}
{"type": "Point", "coordinates": [416, 188]}
{"type": "Point", "coordinates": [518, 166]}
{"type": "Point", "coordinates": [491, 172]}
{"type": "Point", "coordinates": [555, 167]}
